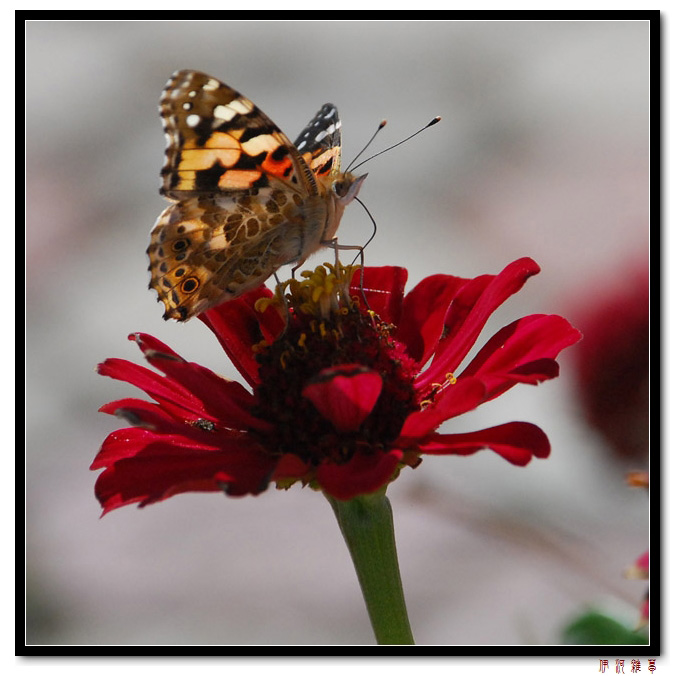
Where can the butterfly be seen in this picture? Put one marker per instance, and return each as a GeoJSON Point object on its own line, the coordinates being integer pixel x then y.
{"type": "Point", "coordinates": [245, 200]}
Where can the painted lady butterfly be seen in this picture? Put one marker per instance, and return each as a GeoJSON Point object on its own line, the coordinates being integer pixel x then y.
{"type": "Point", "coordinates": [245, 199]}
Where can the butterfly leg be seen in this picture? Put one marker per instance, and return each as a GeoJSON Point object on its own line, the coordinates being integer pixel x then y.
{"type": "Point", "coordinates": [281, 290]}
{"type": "Point", "coordinates": [298, 265]}
{"type": "Point", "coordinates": [333, 244]}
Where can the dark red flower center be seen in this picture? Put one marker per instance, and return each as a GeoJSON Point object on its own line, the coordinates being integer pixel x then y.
{"type": "Point", "coordinates": [317, 343]}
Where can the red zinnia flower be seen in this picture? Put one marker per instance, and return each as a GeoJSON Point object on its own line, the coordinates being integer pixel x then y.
{"type": "Point", "coordinates": [343, 394]}
{"type": "Point", "coordinates": [613, 365]}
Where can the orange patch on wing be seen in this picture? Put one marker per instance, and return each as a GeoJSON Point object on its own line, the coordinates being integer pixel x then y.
{"type": "Point", "coordinates": [200, 158]}
{"type": "Point", "coordinates": [280, 168]}
{"type": "Point", "coordinates": [260, 144]}
{"type": "Point", "coordinates": [217, 139]}
{"type": "Point", "coordinates": [238, 179]}
{"type": "Point", "coordinates": [323, 158]}
{"type": "Point", "coordinates": [187, 180]}
{"type": "Point", "coordinates": [219, 148]}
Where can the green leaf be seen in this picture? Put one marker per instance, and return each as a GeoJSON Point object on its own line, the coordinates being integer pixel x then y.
{"type": "Point", "coordinates": [593, 628]}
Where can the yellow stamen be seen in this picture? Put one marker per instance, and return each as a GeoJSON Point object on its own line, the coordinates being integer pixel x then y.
{"type": "Point", "coordinates": [261, 346]}
{"type": "Point", "coordinates": [322, 293]}
{"type": "Point", "coordinates": [263, 303]}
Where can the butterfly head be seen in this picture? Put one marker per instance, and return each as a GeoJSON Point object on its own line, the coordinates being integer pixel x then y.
{"type": "Point", "coordinates": [346, 187]}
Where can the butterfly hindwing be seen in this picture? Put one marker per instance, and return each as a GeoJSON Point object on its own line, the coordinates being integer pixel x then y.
{"type": "Point", "coordinates": [207, 250]}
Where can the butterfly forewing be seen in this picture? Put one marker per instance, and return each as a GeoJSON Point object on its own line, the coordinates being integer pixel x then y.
{"type": "Point", "coordinates": [218, 140]}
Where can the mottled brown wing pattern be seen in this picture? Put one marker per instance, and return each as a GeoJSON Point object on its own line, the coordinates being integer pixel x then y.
{"type": "Point", "coordinates": [208, 250]}
{"type": "Point", "coordinates": [246, 200]}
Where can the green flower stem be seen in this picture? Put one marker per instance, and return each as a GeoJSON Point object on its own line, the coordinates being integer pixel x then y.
{"type": "Point", "coordinates": [367, 526]}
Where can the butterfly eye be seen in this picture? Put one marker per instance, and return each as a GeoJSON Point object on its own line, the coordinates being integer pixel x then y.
{"type": "Point", "coordinates": [347, 188]}
{"type": "Point", "coordinates": [339, 188]}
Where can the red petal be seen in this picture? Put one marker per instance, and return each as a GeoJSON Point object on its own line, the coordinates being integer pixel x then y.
{"type": "Point", "coordinates": [189, 389]}
{"type": "Point", "coordinates": [147, 414]}
{"type": "Point", "coordinates": [155, 418]}
{"type": "Point", "coordinates": [523, 351]}
{"type": "Point", "coordinates": [526, 340]}
{"type": "Point", "coordinates": [159, 388]}
{"type": "Point", "coordinates": [290, 467]}
{"type": "Point", "coordinates": [142, 413]}
{"type": "Point", "coordinates": [124, 443]}
{"type": "Point", "coordinates": [362, 474]}
{"type": "Point", "coordinates": [147, 342]}
{"type": "Point", "coordinates": [238, 326]}
{"type": "Point", "coordinates": [162, 470]}
{"type": "Point", "coordinates": [640, 569]}
{"type": "Point", "coordinates": [345, 395]}
{"type": "Point", "coordinates": [225, 400]}
{"type": "Point", "coordinates": [424, 311]}
{"type": "Point", "coordinates": [463, 396]}
{"type": "Point", "coordinates": [129, 441]}
{"type": "Point", "coordinates": [383, 288]}
{"type": "Point", "coordinates": [469, 312]}
{"type": "Point", "coordinates": [517, 442]}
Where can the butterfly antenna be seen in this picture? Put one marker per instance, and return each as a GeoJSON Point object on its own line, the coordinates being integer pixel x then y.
{"type": "Point", "coordinates": [370, 239]}
{"type": "Point", "coordinates": [419, 131]}
{"type": "Point", "coordinates": [372, 138]}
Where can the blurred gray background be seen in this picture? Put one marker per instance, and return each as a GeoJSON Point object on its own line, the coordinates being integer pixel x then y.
{"type": "Point", "coordinates": [542, 151]}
